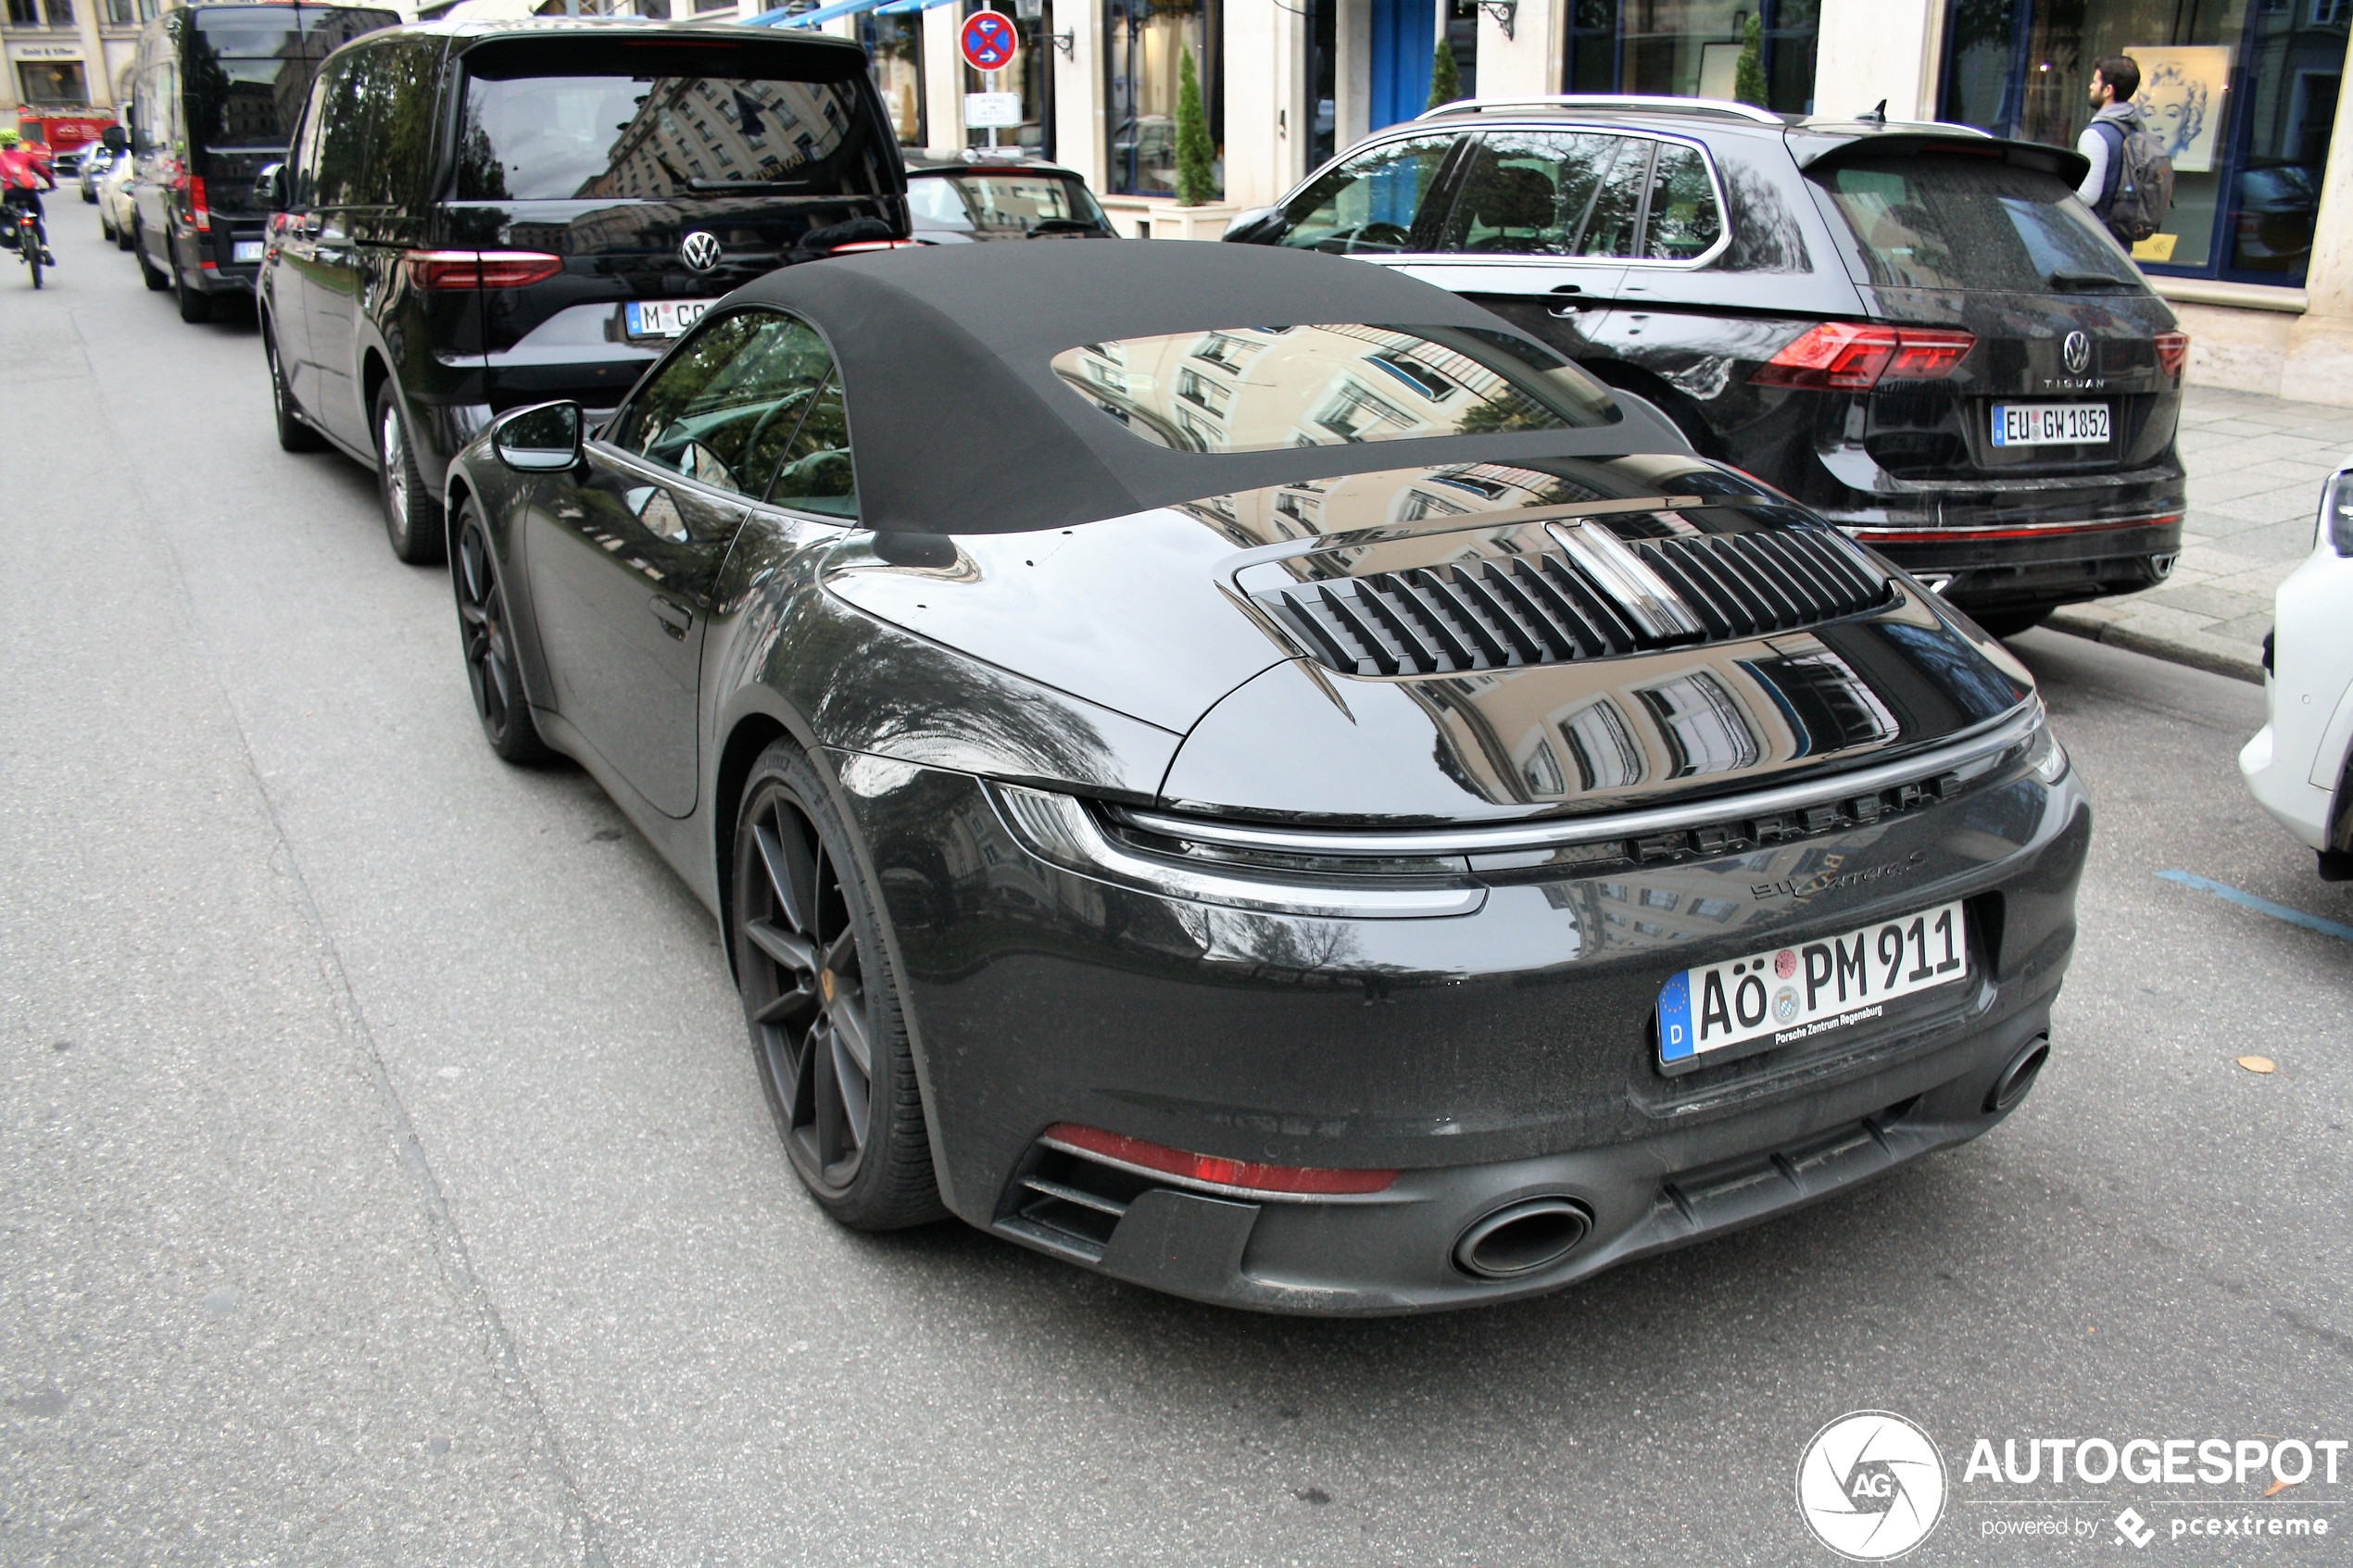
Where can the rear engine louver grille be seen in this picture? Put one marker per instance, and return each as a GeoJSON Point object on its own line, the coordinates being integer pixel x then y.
{"type": "Point", "coordinates": [1500, 614]}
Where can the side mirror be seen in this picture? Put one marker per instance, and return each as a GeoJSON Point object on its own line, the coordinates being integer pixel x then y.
{"type": "Point", "coordinates": [271, 186]}
{"type": "Point", "coordinates": [544, 439]}
{"type": "Point", "coordinates": [114, 139]}
{"type": "Point", "coordinates": [1256, 227]}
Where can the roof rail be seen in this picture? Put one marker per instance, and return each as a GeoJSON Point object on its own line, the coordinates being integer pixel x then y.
{"type": "Point", "coordinates": [1655, 103]}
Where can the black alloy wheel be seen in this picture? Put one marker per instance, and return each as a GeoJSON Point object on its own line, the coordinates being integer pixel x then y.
{"type": "Point", "coordinates": [500, 701]}
{"type": "Point", "coordinates": [293, 434]}
{"type": "Point", "coordinates": [413, 518]}
{"type": "Point", "coordinates": [822, 1004]}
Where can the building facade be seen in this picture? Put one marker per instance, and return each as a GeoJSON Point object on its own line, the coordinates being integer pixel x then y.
{"type": "Point", "coordinates": [2256, 254]}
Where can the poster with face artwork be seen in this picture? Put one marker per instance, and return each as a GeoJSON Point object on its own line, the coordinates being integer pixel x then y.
{"type": "Point", "coordinates": [2182, 97]}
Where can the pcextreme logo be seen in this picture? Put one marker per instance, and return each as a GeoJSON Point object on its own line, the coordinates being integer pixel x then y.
{"type": "Point", "coordinates": [1870, 1486]}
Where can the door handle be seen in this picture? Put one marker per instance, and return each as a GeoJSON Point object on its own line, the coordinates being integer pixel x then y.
{"type": "Point", "coordinates": [675, 618]}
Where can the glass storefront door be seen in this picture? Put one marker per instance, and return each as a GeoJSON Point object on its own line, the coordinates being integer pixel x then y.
{"type": "Point", "coordinates": [1031, 75]}
{"type": "Point", "coordinates": [1692, 48]}
{"type": "Point", "coordinates": [2243, 97]}
{"type": "Point", "coordinates": [1143, 44]}
{"type": "Point", "coordinates": [895, 51]}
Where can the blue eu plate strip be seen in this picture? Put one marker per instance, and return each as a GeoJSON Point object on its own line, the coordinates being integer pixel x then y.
{"type": "Point", "coordinates": [1675, 1017]}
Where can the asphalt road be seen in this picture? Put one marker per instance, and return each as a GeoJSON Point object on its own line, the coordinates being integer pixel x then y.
{"type": "Point", "coordinates": [384, 1178]}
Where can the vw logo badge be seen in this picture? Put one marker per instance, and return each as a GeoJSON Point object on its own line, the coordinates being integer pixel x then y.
{"type": "Point", "coordinates": [2076, 350]}
{"type": "Point", "coordinates": [700, 251]}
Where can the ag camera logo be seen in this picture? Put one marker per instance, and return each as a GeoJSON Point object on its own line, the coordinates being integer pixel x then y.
{"type": "Point", "coordinates": [1870, 1486]}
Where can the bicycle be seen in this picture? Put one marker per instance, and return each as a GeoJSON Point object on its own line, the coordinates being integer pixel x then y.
{"type": "Point", "coordinates": [28, 238]}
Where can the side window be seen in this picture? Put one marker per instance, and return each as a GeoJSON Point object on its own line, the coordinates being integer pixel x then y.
{"type": "Point", "coordinates": [750, 404]}
{"type": "Point", "coordinates": [302, 158]}
{"type": "Point", "coordinates": [406, 81]}
{"type": "Point", "coordinates": [1370, 203]}
{"type": "Point", "coordinates": [1527, 193]}
{"type": "Point", "coordinates": [1684, 218]}
{"type": "Point", "coordinates": [1617, 206]}
{"type": "Point", "coordinates": [344, 134]}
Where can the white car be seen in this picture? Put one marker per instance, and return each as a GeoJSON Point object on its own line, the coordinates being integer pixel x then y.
{"type": "Point", "coordinates": [2298, 765]}
{"type": "Point", "coordinates": [115, 209]}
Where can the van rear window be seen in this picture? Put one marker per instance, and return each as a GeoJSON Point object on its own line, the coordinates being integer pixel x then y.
{"type": "Point", "coordinates": [658, 138]}
{"type": "Point", "coordinates": [260, 33]}
{"type": "Point", "coordinates": [1963, 223]}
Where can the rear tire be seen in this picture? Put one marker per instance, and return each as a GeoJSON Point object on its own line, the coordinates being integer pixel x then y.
{"type": "Point", "coordinates": [293, 434]}
{"type": "Point", "coordinates": [487, 632]}
{"type": "Point", "coordinates": [413, 520]}
{"type": "Point", "coordinates": [121, 237]}
{"type": "Point", "coordinates": [819, 994]}
{"type": "Point", "coordinates": [106, 225]}
{"type": "Point", "coordinates": [150, 273]}
{"type": "Point", "coordinates": [195, 306]}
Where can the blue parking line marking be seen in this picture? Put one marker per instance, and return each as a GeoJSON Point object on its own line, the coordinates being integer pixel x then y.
{"type": "Point", "coordinates": [2262, 906]}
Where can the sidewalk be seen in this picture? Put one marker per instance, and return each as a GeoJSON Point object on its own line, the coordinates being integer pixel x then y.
{"type": "Point", "coordinates": [2256, 466]}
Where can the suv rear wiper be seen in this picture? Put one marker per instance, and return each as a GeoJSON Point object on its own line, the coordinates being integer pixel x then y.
{"type": "Point", "coordinates": [2068, 281]}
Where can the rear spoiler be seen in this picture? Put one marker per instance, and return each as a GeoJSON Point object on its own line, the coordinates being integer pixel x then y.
{"type": "Point", "coordinates": [1827, 151]}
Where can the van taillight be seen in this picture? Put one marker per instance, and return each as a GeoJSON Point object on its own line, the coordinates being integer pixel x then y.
{"type": "Point", "coordinates": [479, 268]}
{"type": "Point", "coordinates": [1845, 356]}
{"type": "Point", "coordinates": [2173, 352]}
{"type": "Point", "coordinates": [198, 208]}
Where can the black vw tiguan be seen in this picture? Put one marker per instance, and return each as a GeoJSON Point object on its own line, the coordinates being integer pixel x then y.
{"type": "Point", "coordinates": [1916, 330]}
{"type": "Point", "coordinates": [476, 216]}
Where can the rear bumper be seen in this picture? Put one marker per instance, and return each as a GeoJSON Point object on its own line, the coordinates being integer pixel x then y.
{"type": "Point", "coordinates": [1489, 1058]}
{"type": "Point", "coordinates": [2035, 565]}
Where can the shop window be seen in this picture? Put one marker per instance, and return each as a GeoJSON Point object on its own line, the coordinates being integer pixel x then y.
{"type": "Point", "coordinates": [895, 50]}
{"type": "Point", "coordinates": [2243, 95]}
{"type": "Point", "coordinates": [1323, 96]}
{"type": "Point", "coordinates": [52, 82]}
{"type": "Point", "coordinates": [1143, 42]}
{"type": "Point", "coordinates": [1031, 75]}
{"type": "Point", "coordinates": [1692, 50]}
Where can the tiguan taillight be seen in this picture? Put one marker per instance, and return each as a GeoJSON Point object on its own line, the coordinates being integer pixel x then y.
{"type": "Point", "coordinates": [2173, 352]}
{"type": "Point", "coordinates": [1845, 356]}
{"type": "Point", "coordinates": [479, 268]}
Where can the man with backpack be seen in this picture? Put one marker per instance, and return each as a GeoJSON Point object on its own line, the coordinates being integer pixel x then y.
{"type": "Point", "coordinates": [2129, 184]}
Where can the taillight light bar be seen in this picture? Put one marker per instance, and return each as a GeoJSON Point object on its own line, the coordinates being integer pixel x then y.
{"type": "Point", "coordinates": [1241, 1175]}
{"type": "Point", "coordinates": [856, 246]}
{"type": "Point", "coordinates": [479, 268]}
{"type": "Point", "coordinates": [1850, 357]}
{"type": "Point", "coordinates": [2173, 352]}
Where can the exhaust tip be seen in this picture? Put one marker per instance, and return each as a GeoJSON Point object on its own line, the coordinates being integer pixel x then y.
{"type": "Point", "coordinates": [2019, 1077]}
{"type": "Point", "coordinates": [1523, 1238]}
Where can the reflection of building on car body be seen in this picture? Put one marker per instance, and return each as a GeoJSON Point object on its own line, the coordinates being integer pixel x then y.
{"type": "Point", "coordinates": [1216, 767]}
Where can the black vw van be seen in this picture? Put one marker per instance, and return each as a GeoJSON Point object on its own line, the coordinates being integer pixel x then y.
{"type": "Point", "coordinates": [478, 216]}
{"type": "Point", "coordinates": [214, 92]}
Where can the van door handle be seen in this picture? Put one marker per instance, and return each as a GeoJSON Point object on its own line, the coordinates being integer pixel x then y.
{"type": "Point", "coordinates": [675, 618]}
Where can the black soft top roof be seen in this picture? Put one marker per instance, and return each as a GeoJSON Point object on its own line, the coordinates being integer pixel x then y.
{"type": "Point", "coordinates": [960, 425]}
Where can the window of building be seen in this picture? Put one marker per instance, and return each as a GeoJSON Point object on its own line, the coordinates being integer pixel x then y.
{"type": "Point", "coordinates": [1031, 75]}
{"type": "Point", "coordinates": [2243, 95]}
{"type": "Point", "coordinates": [24, 13]}
{"type": "Point", "coordinates": [1323, 96]}
{"type": "Point", "coordinates": [895, 50]}
{"type": "Point", "coordinates": [60, 13]}
{"type": "Point", "coordinates": [52, 82]}
{"type": "Point", "coordinates": [1692, 50]}
{"type": "Point", "coordinates": [123, 13]}
{"type": "Point", "coordinates": [1143, 43]}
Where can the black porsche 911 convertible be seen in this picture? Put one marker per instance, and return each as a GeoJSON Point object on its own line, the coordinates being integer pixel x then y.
{"type": "Point", "coordinates": [1236, 770]}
